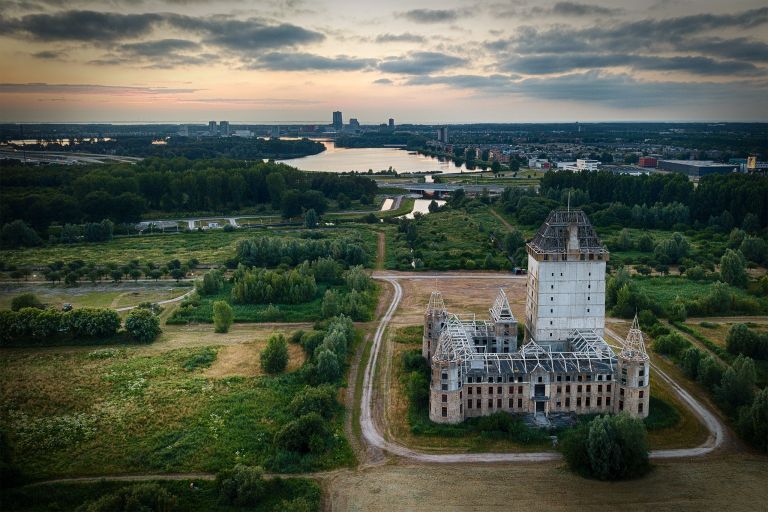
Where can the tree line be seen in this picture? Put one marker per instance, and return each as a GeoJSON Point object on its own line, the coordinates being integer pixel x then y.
{"type": "Point", "coordinates": [122, 193]}
{"type": "Point", "coordinates": [272, 251]}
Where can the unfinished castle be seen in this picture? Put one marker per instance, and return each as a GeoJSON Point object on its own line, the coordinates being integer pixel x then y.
{"type": "Point", "coordinates": [564, 364]}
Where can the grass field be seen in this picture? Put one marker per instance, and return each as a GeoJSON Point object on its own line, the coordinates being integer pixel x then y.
{"type": "Point", "coordinates": [664, 290]}
{"type": "Point", "coordinates": [97, 296]}
{"type": "Point", "coordinates": [68, 496]}
{"type": "Point", "coordinates": [70, 412]}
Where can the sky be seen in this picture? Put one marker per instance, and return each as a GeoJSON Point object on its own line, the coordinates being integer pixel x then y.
{"type": "Point", "coordinates": [295, 61]}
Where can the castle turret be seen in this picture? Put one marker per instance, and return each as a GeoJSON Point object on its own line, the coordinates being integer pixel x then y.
{"type": "Point", "coordinates": [505, 325]}
{"type": "Point", "coordinates": [633, 378]}
{"type": "Point", "coordinates": [434, 322]}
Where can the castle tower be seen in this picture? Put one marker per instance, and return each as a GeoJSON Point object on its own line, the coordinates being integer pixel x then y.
{"type": "Point", "coordinates": [566, 278]}
{"type": "Point", "coordinates": [446, 383]}
{"type": "Point", "coordinates": [434, 322]}
{"type": "Point", "coordinates": [505, 325]}
{"type": "Point", "coordinates": [633, 375]}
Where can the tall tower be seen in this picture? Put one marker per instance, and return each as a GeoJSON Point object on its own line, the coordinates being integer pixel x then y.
{"type": "Point", "coordinates": [566, 278]}
{"type": "Point", "coordinates": [338, 122]}
{"type": "Point", "coordinates": [633, 388]}
{"type": "Point", "coordinates": [505, 325]}
{"type": "Point", "coordinates": [435, 318]}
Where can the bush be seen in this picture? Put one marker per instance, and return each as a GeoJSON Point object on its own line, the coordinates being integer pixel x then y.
{"type": "Point", "coordinates": [306, 434]}
{"type": "Point", "coordinates": [223, 316]}
{"type": "Point", "coordinates": [274, 358]}
{"type": "Point", "coordinates": [709, 373]}
{"type": "Point", "coordinates": [689, 361]}
{"type": "Point", "coordinates": [608, 448]}
{"type": "Point", "coordinates": [26, 300]}
{"type": "Point", "coordinates": [742, 340]}
{"type": "Point", "coordinates": [320, 400]}
{"type": "Point", "coordinates": [753, 421]}
{"type": "Point", "coordinates": [413, 361]}
{"type": "Point", "coordinates": [671, 344]}
{"type": "Point", "coordinates": [149, 497]}
{"type": "Point", "coordinates": [328, 366]}
{"type": "Point", "coordinates": [733, 268]}
{"type": "Point", "coordinates": [202, 359]}
{"type": "Point", "coordinates": [142, 325]}
{"type": "Point", "coordinates": [737, 385]}
{"type": "Point", "coordinates": [211, 284]}
{"type": "Point", "coordinates": [242, 486]}
{"type": "Point", "coordinates": [417, 388]}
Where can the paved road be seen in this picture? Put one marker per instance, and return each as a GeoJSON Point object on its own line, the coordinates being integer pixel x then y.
{"type": "Point", "coordinates": [372, 435]}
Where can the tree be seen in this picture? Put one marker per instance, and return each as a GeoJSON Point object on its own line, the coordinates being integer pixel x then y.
{"type": "Point", "coordinates": [754, 249]}
{"type": "Point", "coordinates": [139, 497]}
{"type": "Point", "coordinates": [135, 274]}
{"type": "Point", "coordinates": [331, 303]}
{"type": "Point", "coordinates": [433, 206]}
{"type": "Point", "coordinates": [116, 275]}
{"type": "Point", "coordinates": [320, 399]}
{"type": "Point", "coordinates": [142, 325]}
{"type": "Point", "coordinates": [343, 201]}
{"type": "Point", "coordinates": [19, 234]}
{"type": "Point", "coordinates": [753, 421]}
{"type": "Point", "coordinates": [243, 486]}
{"type": "Point", "coordinates": [26, 300]}
{"type": "Point", "coordinates": [689, 360]}
{"type": "Point", "coordinates": [328, 367]}
{"type": "Point", "coordinates": [310, 219]}
{"type": "Point", "coordinates": [274, 358]}
{"type": "Point", "coordinates": [223, 316]}
{"type": "Point", "coordinates": [178, 274]}
{"type": "Point", "coordinates": [751, 223]}
{"type": "Point", "coordinates": [305, 434]}
{"type": "Point", "coordinates": [733, 268]}
{"type": "Point", "coordinates": [736, 387]}
{"type": "Point", "coordinates": [645, 243]}
{"type": "Point", "coordinates": [710, 373]}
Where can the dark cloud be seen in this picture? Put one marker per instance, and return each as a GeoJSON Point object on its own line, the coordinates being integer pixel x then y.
{"type": "Point", "coordinates": [576, 9]}
{"type": "Point", "coordinates": [383, 81]}
{"type": "Point", "coordinates": [406, 37]}
{"type": "Point", "coordinates": [277, 61]}
{"type": "Point", "coordinates": [560, 63]}
{"type": "Point", "coordinates": [47, 55]}
{"type": "Point", "coordinates": [740, 48]}
{"type": "Point", "coordinates": [253, 34]}
{"type": "Point", "coordinates": [82, 26]}
{"type": "Point", "coordinates": [431, 15]}
{"type": "Point", "coordinates": [420, 63]}
{"type": "Point", "coordinates": [46, 88]}
{"type": "Point", "coordinates": [159, 48]}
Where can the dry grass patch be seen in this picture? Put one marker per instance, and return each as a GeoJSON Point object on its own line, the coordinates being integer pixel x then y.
{"type": "Point", "coordinates": [243, 360]}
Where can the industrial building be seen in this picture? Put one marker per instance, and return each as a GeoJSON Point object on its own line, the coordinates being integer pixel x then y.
{"type": "Point", "coordinates": [696, 168]}
{"type": "Point", "coordinates": [648, 162]}
{"type": "Point", "coordinates": [564, 365]}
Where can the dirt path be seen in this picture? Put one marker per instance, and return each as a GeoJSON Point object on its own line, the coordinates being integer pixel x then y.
{"type": "Point", "coordinates": [168, 301]}
{"type": "Point", "coordinates": [507, 225]}
{"type": "Point", "coordinates": [380, 250]}
{"type": "Point", "coordinates": [372, 434]}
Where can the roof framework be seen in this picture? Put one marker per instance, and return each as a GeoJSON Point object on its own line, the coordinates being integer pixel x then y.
{"type": "Point", "coordinates": [554, 235]}
{"type": "Point", "coordinates": [633, 348]}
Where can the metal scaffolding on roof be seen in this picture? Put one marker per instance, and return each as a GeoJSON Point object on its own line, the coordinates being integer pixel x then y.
{"type": "Point", "coordinates": [554, 235]}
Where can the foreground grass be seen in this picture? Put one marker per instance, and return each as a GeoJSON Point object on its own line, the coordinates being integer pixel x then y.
{"type": "Point", "coordinates": [68, 496]}
{"type": "Point", "coordinates": [112, 411]}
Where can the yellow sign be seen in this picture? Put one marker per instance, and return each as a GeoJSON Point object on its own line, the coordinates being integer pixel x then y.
{"type": "Point", "coordinates": [752, 162]}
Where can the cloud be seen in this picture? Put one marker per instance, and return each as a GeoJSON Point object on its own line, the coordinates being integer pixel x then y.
{"type": "Point", "coordinates": [560, 63]}
{"type": "Point", "coordinates": [159, 48]}
{"type": "Point", "coordinates": [420, 63]}
{"type": "Point", "coordinates": [576, 9]}
{"type": "Point", "coordinates": [495, 82]}
{"type": "Point", "coordinates": [46, 88]}
{"type": "Point", "coordinates": [383, 81]}
{"type": "Point", "coordinates": [405, 37]}
{"type": "Point", "coordinates": [277, 61]}
{"type": "Point", "coordinates": [430, 15]}
{"type": "Point", "coordinates": [253, 34]}
{"type": "Point", "coordinates": [82, 26]}
{"type": "Point", "coordinates": [47, 55]}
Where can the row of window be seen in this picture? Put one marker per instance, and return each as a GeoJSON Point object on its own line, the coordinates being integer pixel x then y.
{"type": "Point", "coordinates": [559, 378]}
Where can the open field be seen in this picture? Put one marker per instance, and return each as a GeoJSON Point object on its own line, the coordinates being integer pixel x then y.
{"type": "Point", "coordinates": [171, 406]}
{"type": "Point", "coordinates": [105, 295]}
{"type": "Point", "coordinates": [695, 485]}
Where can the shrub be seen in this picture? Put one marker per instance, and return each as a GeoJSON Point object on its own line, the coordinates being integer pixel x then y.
{"type": "Point", "coordinates": [733, 268]}
{"type": "Point", "coordinates": [202, 359]}
{"type": "Point", "coordinates": [150, 497]}
{"type": "Point", "coordinates": [328, 366]}
{"type": "Point", "coordinates": [753, 421]}
{"type": "Point", "coordinates": [742, 340]}
{"type": "Point", "coordinates": [91, 322]}
{"type": "Point", "coordinates": [608, 448]}
{"type": "Point", "coordinates": [306, 434]}
{"type": "Point", "coordinates": [242, 486]}
{"type": "Point", "coordinates": [274, 358]}
{"type": "Point", "coordinates": [709, 373]}
{"type": "Point", "coordinates": [320, 400]}
{"type": "Point", "coordinates": [142, 325]}
{"type": "Point", "coordinates": [737, 385]}
{"type": "Point", "coordinates": [211, 284]}
{"type": "Point", "coordinates": [223, 316]}
{"type": "Point", "coordinates": [413, 361]}
{"type": "Point", "coordinates": [670, 344]}
{"type": "Point", "coordinates": [26, 300]}
{"type": "Point", "coordinates": [689, 360]}
{"type": "Point", "coordinates": [417, 388]}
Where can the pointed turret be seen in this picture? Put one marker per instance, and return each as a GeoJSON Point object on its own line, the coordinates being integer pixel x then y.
{"type": "Point", "coordinates": [505, 324]}
{"type": "Point", "coordinates": [434, 323]}
{"type": "Point", "coordinates": [633, 379]}
{"type": "Point", "coordinates": [634, 346]}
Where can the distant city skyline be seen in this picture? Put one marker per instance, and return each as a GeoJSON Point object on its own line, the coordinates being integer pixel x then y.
{"type": "Point", "coordinates": [429, 62]}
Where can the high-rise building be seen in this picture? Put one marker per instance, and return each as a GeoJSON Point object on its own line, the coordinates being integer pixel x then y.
{"type": "Point", "coordinates": [338, 122]}
{"type": "Point", "coordinates": [224, 128]}
{"type": "Point", "coordinates": [391, 122]}
{"type": "Point", "coordinates": [212, 128]}
{"type": "Point", "coordinates": [354, 124]}
{"type": "Point", "coordinates": [442, 134]}
{"type": "Point", "coordinates": [275, 132]}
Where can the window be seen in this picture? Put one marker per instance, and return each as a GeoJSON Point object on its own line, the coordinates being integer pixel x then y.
{"type": "Point", "coordinates": [642, 372]}
{"type": "Point", "coordinates": [469, 390]}
{"type": "Point", "coordinates": [559, 389]}
{"type": "Point", "coordinates": [520, 389]}
{"type": "Point", "coordinates": [490, 403]}
{"type": "Point", "coordinates": [541, 379]}
{"type": "Point", "coordinates": [551, 310]}
{"type": "Point", "coordinates": [599, 401]}
{"type": "Point", "coordinates": [511, 389]}
{"type": "Point", "coordinates": [551, 298]}
{"type": "Point", "coordinates": [587, 401]}
{"type": "Point", "coordinates": [445, 398]}
{"type": "Point", "coordinates": [589, 298]}
{"type": "Point", "coordinates": [578, 402]}
{"type": "Point", "coordinates": [567, 389]}
{"type": "Point", "coordinates": [641, 383]}
{"type": "Point", "coordinates": [490, 390]}
{"type": "Point", "coordinates": [498, 403]}
{"type": "Point", "coordinates": [559, 378]}
{"type": "Point", "coordinates": [600, 388]}
{"type": "Point", "coordinates": [478, 403]}
{"type": "Point", "coordinates": [550, 322]}
{"type": "Point", "coordinates": [445, 412]}
{"type": "Point", "coordinates": [469, 404]}
{"type": "Point", "coordinates": [552, 287]}
{"type": "Point", "coordinates": [567, 402]}
{"type": "Point", "coordinates": [469, 380]}
{"type": "Point", "coordinates": [580, 378]}
{"type": "Point", "coordinates": [608, 388]}
{"type": "Point", "coordinates": [479, 390]}
{"type": "Point", "coordinates": [589, 286]}
{"type": "Point", "coordinates": [498, 390]}
{"type": "Point", "coordinates": [621, 391]}
{"type": "Point", "coordinates": [640, 407]}
{"type": "Point", "coordinates": [520, 379]}
{"type": "Point", "coordinates": [621, 405]}
{"type": "Point", "coordinates": [599, 377]}
{"type": "Point", "coordinates": [567, 378]}
{"type": "Point", "coordinates": [607, 400]}
{"type": "Point", "coordinates": [642, 393]}
{"type": "Point", "coordinates": [578, 388]}
{"type": "Point", "coordinates": [587, 310]}
{"type": "Point", "coordinates": [444, 387]}
{"type": "Point", "coordinates": [510, 403]}
{"type": "Point", "coordinates": [519, 403]}
{"type": "Point", "coordinates": [589, 389]}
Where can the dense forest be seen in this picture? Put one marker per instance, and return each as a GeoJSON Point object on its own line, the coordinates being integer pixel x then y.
{"type": "Point", "coordinates": [726, 198]}
{"type": "Point", "coordinates": [66, 194]}
{"type": "Point", "coordinates": [189, 147]}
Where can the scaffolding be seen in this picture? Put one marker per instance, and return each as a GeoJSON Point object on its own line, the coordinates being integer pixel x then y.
{"type": "Point", "coordinates": [633, 348]}
{"type": "Point", "coordinates": [567, 231]}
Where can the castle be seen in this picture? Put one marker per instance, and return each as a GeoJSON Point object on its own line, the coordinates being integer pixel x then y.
{"type": "Point", "coordinates": [564, 365]}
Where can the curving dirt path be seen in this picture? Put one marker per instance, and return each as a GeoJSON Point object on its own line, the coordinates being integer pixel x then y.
{"type": "Point", "coordinates": [373, 436]}
{"type": "Point", "coordinates": [161, 302]}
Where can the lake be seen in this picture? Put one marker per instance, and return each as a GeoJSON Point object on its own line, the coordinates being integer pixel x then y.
{"type": "Point", "coordinates": [335, 159]}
